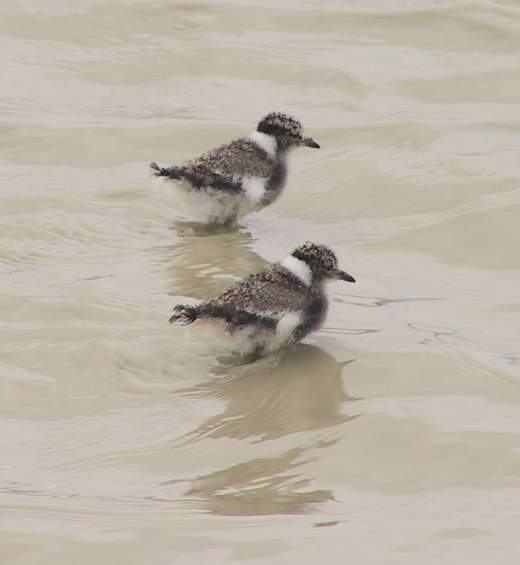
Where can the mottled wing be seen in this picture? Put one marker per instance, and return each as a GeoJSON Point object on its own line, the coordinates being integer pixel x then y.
{"type": "Point", "coordinates": [269, 293]}
{"type": "Point", "coordinates": [239, 158]}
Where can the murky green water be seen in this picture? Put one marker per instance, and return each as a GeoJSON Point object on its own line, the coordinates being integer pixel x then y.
{"type": "Point", "coordinates": [393, 434]}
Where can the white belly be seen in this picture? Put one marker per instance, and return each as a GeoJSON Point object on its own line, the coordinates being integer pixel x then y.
{"type": "Point", "coordinates": [211, 206]}
{"type": "Point", "coordinates": [250, 338]}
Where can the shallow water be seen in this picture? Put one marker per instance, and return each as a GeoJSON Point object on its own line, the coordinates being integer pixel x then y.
{"type": "Point", "coordinates": [391, 435]}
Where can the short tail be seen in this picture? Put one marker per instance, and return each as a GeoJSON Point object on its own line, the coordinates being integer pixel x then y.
{"type": "Point", "coordinates": [197, 177]}
{"type": "Point", "coordinates": [170, 172]}
{"type": "Point", "coordinates": [184, 314]}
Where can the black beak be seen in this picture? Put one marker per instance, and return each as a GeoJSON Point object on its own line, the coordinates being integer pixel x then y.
{"type": "Point", "coordinates": [309, 142]}
{"type": "Point", "coordinates": [344, 276]}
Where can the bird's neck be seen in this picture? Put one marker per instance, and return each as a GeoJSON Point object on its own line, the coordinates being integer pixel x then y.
{"type": "Point", "coordinates": [299, 269]}
{"type": "Point", "coordinates": [266, 142]}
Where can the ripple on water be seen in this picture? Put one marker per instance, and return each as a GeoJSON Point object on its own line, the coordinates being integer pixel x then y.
{"type": "Point", "coordinates": [124, 438]}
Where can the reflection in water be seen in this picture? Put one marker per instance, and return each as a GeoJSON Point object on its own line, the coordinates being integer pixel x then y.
{"type": "Point", "coordinates": [296, 391]}
{"type": "Point", "coordinates": [268, 485]}
{"type": "Point", "coordinates": [206, 259]}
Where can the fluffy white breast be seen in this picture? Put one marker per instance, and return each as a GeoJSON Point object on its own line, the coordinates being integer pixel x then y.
{"type": "Point", "coordinates": [286, 325]}
{"type": "Point", "coordinates": [254, 187]}
{"type": "Point", "coordinates": [265, 141]}
{"type": "Point", "coordinates": [298, 268]}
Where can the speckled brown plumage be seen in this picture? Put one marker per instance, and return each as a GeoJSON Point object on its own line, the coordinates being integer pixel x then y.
{"type": "Point", "coordinates": [273, 290]}
{"type": "Point", "coordinates": [267, 300]}
{"type": "Point", "coordinates": [240, 157]}
{"type": "Point", "coordinates": [230, 169]}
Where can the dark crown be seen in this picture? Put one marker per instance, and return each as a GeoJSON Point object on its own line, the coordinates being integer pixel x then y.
{"type": "Point", "coordinates": [320, 258]}
{"type": "Point", "coordinates": [281, 125]}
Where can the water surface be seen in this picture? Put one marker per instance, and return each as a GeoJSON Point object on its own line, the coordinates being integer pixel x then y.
{"type": "Point", "coordinates": [392, 434]}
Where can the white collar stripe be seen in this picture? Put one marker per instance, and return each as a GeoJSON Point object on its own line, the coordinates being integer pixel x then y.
{"type": "Point", "coordinates": [265, 142]}
{"type": "Point", "coordinates": [298, 268]}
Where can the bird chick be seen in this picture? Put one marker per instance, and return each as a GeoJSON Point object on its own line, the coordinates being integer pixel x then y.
{"type": "Point", "coordinates": [240, 177]}
{"type": "Point", "coordinates": [271, 309]}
